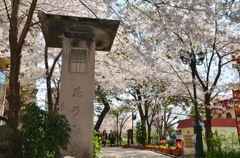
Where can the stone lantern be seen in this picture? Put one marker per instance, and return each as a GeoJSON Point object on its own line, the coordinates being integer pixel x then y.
{"type": "Point", "coordinates": [79, 37]}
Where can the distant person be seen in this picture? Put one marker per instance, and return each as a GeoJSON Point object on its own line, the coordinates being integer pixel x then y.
{"type": "Point", "coordinates": [104, 137]}
{"type": "Point", "coordinates": [111, 137]}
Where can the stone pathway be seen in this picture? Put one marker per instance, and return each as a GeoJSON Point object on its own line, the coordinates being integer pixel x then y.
{"type": "Point", "coordinates": [119, 152]}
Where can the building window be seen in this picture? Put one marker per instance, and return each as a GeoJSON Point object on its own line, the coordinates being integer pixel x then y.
{"type": "Point", "coordinates": [78, 60]}
{"type": "Point", "coordinates": [228, 115]}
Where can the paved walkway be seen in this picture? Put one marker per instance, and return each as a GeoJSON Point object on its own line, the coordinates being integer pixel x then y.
{"type": "Point", "coordinates": [119, 152]}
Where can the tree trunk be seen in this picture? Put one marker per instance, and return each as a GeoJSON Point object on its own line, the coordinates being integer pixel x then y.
{"type": "Point", "coordinates": [16, 42]}
{"type": "Point", "coordinates": [149, 134]}
{"type": "Point", "coordinates": [56, 105]}
{"type": "Point", "coordinates": [103, 99]}
{"type": "Point", "coordinates": [207, 123]}
{"type": "Point", "coordinates": [144, 132]}
{"type": "Point", "coordinates": [49, 72]}
{"type": "Point", "coordinates": [102, 115]}
{"type": "Point", "coordinates": [160, 132]}
{"type": "Point", "coordinates": [159, 127]}
{"type": "Point", "coordinates": [143, 120]}
{"type": "Point", "coordinates": [48, 82]}
{"type": "Point", "coordinates": [14, 96]}
{"type": "Point", "coordinates": [120, 133]}
{"type": "Point", "coordinates": [165, 129]}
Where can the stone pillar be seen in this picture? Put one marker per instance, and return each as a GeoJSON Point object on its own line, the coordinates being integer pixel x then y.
{"type": "Point", "coordinates": [76, 99]}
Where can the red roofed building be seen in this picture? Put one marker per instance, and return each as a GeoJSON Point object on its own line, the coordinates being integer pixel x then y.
{"type": "Point", "coordinates": [224, 121]}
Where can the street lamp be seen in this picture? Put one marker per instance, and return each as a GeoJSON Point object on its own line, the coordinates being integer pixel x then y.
{"type": "Point", "coordinates": [189, 58]}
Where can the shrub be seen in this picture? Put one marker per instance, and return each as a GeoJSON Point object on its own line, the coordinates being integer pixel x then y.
{"type": "Point", "coordinates": [42, 134]}
{"type": "Point", "coordinates": [171, 142]}
{"type": "Point", "coordinates": [96, 144]}
{"type": "Point", "coordinates": [141, 135]}
{"type": "Point", "coordinates": [223, 146]}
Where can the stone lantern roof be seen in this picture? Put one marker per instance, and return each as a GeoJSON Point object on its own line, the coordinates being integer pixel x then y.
{"type": "Point", "coordinates": [56, 27]}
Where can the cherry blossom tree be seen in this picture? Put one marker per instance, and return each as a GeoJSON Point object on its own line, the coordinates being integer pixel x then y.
{"type": "Point", "coordinates": [169, 112]}
{"type": "Point", "coordinates": [122, 113]}
{"type": "Point", "coordinates": [171, 26]}
{"type": "Point", "coordinates": [17, 36]}
{"type": "Point", "coordinates": [21, 18]}
{"type": "Point", "coordinates": [200, 26]}
{"type": "Point", "coordinates": [131, 74]}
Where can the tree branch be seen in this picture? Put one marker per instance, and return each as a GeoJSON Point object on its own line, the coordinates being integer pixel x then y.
{"type": "Point", "coordinates": [218, 73]}
{"type": "Point", "coordinates": [8, 15]}
{"type": "Point", "coordinates": [181, 80]}
{"type": "Point", "coordinates": [200, 80]}
{"type": "Point", "coordinates": [27, 24]}
{"type": "Point", "coordinates": [88, 9]}
{"type": "Point", "coordinates": [179, 37]}
{"type": "Point", "coordinates": [54, 63]}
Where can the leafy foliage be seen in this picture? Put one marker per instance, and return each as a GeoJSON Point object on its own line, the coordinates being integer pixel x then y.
{"type": "Point", "coordinates": [171, 142]}
{"type": "Point", "coordinates": [222, 146]}
{"type": "Point", "coordinates": [96, 144]}
{"type": "Point", "coordinates": [140, 133]}
{"type": "Point", "coordinates": [42, 134]}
